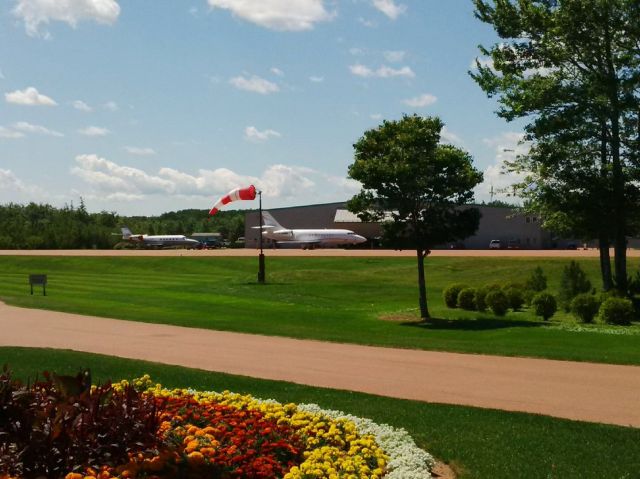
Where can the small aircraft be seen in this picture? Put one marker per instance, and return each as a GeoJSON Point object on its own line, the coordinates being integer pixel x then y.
{"type": "Point", "coordinates": [159, 241]}
{"type": "Point", "coordinates": [307, 238]}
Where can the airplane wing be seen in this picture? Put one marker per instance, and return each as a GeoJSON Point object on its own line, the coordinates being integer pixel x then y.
{"type": "Point", "coordinates": [302, 244]}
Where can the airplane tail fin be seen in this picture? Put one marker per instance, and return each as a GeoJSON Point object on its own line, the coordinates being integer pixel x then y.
{"type": "Point", "coordinates": [126, 233]}
{"type": "Point", "coordinates": [268, 220]}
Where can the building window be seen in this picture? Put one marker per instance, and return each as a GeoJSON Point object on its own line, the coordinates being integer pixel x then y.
{"type": "Point", "coordinates": [534, 219]}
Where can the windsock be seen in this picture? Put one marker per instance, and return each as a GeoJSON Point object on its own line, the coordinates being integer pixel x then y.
{"type": "Point", "coordinates": [234, 195]}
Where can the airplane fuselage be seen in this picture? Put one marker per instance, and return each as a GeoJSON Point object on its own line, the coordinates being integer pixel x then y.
{"type": "Point", "coordinates": [315, 237]}
{"type": "Point", "coordinates": [164, 241]}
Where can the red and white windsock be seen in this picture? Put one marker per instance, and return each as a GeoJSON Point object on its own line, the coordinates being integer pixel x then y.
{"type": "Point", "coordinates": [234, 195]}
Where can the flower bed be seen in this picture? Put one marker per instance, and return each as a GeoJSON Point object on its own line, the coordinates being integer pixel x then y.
{"type": "Point", "coordinates": [227, 435]}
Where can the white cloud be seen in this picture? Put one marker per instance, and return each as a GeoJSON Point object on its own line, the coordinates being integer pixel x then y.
{"type": "Point", "coordinates": [376, 116]}
{"type": "Point", "coordinates": [41, 130]}
{"type": "Point", "coordinates": [9, 181]}
{"type": "Point", "coordinates": [35, 13]}
{"type": "Point", "coordinates": [277, 71]}
{"type": "Point", "coordinates": [450, 137]}
{"type": "Point", "coordinates": [30, 97]}
{"type": "Point", "coordinates": [254, 84]}
{"type": "Point", "coordinates": [111, 106]}
{"type": "Point", "coordinates": [382, 72]}
{"type": "Point", "coordinates": [82, 106]}
{"type": "Point", "coordinates": [135, 150]}
{"type": "Point", "coordinates": [282, 15]}
{"type": "Point", "coordinates": [316, 79]}
{"type": "Point", "coordinates": [367, 23]}
{"type": "Point", "coordinates": [483, 61]}
{"type": "Point", "coordinates": [390, 8]}
{"type": "Point", "coordinates": [251, 133]}
{"type": "Point", "coordinates": [421, 101]}
{"type": "Point", "coordinates": [108, 180]}
{"type": "Point", "coordinates": [355, 51]}
{"type": "Point", "coordinates": [394, 56]}
{"type": "Point", "coordinates": [507, 147]}
{"type": "Point", "coordinates": [94, 131]}
{"type": "Point", "coordinates": [9, 134]}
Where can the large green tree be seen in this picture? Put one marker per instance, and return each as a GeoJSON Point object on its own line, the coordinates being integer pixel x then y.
{"type": "Point", "coordinates": [416, 186]}
{"type": "Point", "coordinates": [571, 69]}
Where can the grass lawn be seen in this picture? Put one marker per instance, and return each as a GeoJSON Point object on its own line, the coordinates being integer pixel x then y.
{"type": "Point", "coordinates": [333, 299]}
{"type": "Point", "coordinates": [478, 443]}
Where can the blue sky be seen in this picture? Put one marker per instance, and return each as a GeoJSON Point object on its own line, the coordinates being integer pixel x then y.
{"type": "Point", "coordinates": [148, 106]}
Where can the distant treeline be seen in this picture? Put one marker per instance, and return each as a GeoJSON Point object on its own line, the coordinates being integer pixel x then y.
{"type": "Point", "coordinates": [41, 226]}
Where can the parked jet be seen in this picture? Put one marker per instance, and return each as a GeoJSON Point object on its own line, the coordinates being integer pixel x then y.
{"type": "Point", "coordinates": [159, 241]}
{"type": "Point", "coordinates": [307, 238]}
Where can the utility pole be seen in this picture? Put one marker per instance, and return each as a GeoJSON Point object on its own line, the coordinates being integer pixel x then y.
{"type": "Point", "coordinates": [261, 273]}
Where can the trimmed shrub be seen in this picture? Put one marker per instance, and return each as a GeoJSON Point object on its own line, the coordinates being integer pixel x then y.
{"type": "Point", "coordinates": [450, 294]}
{"type": "Point", "coordinates": [545, 305]}
{"type": "Point", "coordinates": [528, 295]}
{"type": "Point", "coordinates": [573, 282]}
{"type": "Point", "coordinates": [585, 307]}
{"type": "Point", "coordinates": [514, 297]}
{"type": "Point", "coordinates": [616, 311]}
{"type": "Point", "coordinates": [498, 302]}
{"type": "Point", "coordinates": [537, 281]}
{"type": "Point", "coordinates": [467, 299]}
{"type": "Point", "coordinates": [481, 294]}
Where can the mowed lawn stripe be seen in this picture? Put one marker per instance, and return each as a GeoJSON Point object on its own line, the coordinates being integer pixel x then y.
{"type": "Point", "coordinates": [335, 299]}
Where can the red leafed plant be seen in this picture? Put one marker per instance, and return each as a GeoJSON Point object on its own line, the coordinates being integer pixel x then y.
{"type": "Point", "coordinates": [61, 424]}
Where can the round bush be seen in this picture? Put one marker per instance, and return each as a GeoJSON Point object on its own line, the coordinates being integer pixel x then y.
{"type": "Point", "coordinates": [616, 311]}
{"type": "Point", "coordinates": [585, 307]}
{"type": "Point", "coordinates": [515, 297]}
{"type": "Point", "coordinates": [467, 299]}
{"type": "Point", "coordinates": [450, 294]}
{"type": "Point", "coordinates": [481, 294]}
{"type": "Point", "coordinates": [498, 302]}
{"type": "Point", "coordinates": [528, 295]}
{"type": "Point", "coordinates": [545, 305]}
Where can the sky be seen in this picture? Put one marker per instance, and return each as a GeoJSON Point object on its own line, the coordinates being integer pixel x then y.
{"type": "Point", "coordinates": [148, 106]}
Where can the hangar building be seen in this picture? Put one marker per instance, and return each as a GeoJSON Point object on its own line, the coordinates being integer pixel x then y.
{"type": "Point", "coordinates": [510, 227]}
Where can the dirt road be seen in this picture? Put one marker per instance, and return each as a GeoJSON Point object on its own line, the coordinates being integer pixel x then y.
{"type": "Point", "coordinates": [582, 391]}
{"type": "Point", "coordinates": [549, 253]}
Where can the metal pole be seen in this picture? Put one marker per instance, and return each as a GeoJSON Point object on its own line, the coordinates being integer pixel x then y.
{"type": "Point", "coordinates": [261, 273]}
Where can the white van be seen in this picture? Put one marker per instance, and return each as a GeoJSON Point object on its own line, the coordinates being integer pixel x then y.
{"type": "Point", "coordinates": [495, 244]}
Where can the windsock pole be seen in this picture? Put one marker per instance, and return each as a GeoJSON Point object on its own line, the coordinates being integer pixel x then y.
{"type": "Point", "coordinates": [261, 273]}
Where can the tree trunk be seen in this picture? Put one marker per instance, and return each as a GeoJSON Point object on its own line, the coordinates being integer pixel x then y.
{"type": "Point", "coordinates": [620, 216]}
{"type": "Point", "coordinates": [603, 238]}
{"type": "Point", "coordinates": [422, 287]}
{"type": "Point", "coordinates": [605, 262]}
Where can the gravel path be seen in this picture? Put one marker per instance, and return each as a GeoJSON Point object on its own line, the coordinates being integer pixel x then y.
{"type": "Point", "coordinates": [582, 391]}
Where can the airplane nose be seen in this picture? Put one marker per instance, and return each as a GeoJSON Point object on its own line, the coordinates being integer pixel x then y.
{"type": "Point", "coordinates": [360, 239]}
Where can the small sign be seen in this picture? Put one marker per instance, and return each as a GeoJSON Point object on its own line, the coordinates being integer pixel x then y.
{"type": "Point", "coordinates": [38, 279]}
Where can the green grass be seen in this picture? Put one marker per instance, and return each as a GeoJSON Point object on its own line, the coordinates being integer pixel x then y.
{"type": "Point", "coordinates": [478, 443]}
{"type": "Point", "coordinates": [332, 299]}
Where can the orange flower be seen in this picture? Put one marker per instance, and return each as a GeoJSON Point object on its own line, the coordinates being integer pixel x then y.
{"type": "Point", "coordinates": [195, 458]}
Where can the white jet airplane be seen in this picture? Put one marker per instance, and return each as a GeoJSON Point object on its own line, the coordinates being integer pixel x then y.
{"type": "Point", "coordinates": [307, 238]}
{"type": "Point", "coordinates": [159, 241]}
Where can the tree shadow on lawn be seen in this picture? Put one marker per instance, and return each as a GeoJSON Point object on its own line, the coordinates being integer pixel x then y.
{"type": "Point", "coordinates": [478, 324]}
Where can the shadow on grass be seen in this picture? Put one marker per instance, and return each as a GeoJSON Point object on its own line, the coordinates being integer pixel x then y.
{"type": "Point", "coordinates": [465, 324]}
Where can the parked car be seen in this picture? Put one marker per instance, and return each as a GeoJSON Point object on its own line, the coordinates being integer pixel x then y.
{"type": "Point", "coordinates": [495, 244]}
{"type": "Point", "coordinates": [513, 244]}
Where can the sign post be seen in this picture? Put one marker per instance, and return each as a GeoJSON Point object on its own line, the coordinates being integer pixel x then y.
{"type": "Point", "coordinates": [261, 272]}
